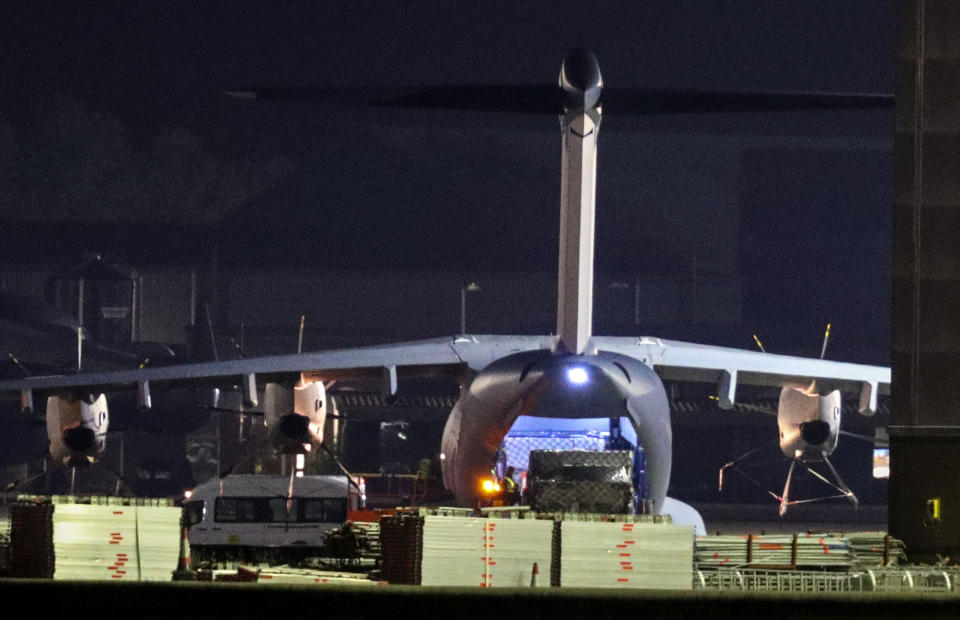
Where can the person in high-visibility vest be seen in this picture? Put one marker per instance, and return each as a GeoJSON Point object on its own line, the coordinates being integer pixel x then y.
{"type": "Point", "coordinates": [511, 492]}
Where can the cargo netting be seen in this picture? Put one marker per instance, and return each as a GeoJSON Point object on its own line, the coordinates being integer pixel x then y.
{"type": "Point", "coordinates": [581, 481]}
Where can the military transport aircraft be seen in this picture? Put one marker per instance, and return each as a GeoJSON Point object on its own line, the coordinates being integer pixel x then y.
{"type": "Point", "coordinates": [572, 374]}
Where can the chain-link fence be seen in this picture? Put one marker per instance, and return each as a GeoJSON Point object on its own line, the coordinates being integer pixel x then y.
{"type": "Point", "coordinates": [519, 444]}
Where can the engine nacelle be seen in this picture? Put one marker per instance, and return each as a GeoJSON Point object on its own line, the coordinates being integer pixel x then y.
{"type": "Point", "coordinates": [77, 429]}
{"type": "Point", "coordinates": [295, 416]}
{"type": "Point", "coordinates": [809, 423]}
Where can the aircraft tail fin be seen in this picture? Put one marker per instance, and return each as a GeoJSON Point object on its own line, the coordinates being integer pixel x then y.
{"type": "Point", "coordinates": [582, 85]}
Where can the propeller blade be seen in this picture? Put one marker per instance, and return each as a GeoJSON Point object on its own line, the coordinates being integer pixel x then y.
{"type": "Point", "coordinates": [229, 410]}
{"type": "Point", "coordinates": [785, 498]}
{"type": "Point", "coordinates": [293, 476]}
{"type": "Point", "coordinates": [843, 485]}
{"type": "Point", "coordinates": [866, 438]}
{"type": "Point", "coordinates": [342, 468]}
{"type": "Point", "coordinates": [826, 338]}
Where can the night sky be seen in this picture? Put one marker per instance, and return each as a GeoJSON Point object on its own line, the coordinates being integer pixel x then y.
{"type": "Point", "coordinates": [113, 125]}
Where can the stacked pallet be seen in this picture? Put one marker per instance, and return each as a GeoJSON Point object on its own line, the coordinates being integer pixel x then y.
{"type": "Point", "coordinates": [486, 552]}
{"type": "Point", "coordinates": [877, 549]}
{"type": "Point", "coordinates": [4, 541]}
{"type": "Point", "coordinates": [116, 542]}
{"type": "Point", "coordinates": [158, 539]}
{"type": "Point", "coordinates": [300, 576]}
{"type": "Point", "coordinates": [31, 540]}
{"type": "Point", "coordinates": [626, 555]}
{"type": "Point", "coordinates": [581, 481]}
{"type": "Point", "coordinates": [804, 550]}
{"type": "Point", "coordinates": [401, 538]}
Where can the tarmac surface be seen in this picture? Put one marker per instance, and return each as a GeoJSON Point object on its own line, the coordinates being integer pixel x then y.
{"type": "Point", "coordinates": [239, 601]}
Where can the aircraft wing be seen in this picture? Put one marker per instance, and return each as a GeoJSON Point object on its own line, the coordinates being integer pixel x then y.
{"type": "Point", "coordinates": [383, 362]}
{"type": "Point", "coordinates": [684, 361]}
{"type": "Point", "coordinates": [673, 360]}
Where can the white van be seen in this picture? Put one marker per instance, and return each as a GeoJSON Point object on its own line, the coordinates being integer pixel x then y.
{"type": "Point", "coordinates": [250, 512]}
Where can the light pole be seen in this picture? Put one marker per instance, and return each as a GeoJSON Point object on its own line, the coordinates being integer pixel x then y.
{"type": "Point", "coordinates": [470, 288]}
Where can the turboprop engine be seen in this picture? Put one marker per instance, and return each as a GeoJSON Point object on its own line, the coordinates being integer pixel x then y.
{"type": "Point", "coordinates": [809, 428]}
{"type": "Point", "coordinates": [809, 423]}
{"type": "Point", "coordinates": [77, 429]}
{"type": "Point", "coordinates": [295, 415]}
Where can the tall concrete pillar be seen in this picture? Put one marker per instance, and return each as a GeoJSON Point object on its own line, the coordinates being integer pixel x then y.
{"type": "Point", "coordinates": [925, 434]}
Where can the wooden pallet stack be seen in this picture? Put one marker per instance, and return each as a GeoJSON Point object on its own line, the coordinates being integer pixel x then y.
{"type": "Point", "coordinates": [401, 544]}
{"type": "Point", "coordinates": [626, 555]}
{"type": "Point", "coordinates": [486, 552]}
{"type": "Point", "coordinates": [775, 551]}
{"type": "Point", "coordinates": [116, 542]}
{"type": "Point", "coordinates": [31, 540]}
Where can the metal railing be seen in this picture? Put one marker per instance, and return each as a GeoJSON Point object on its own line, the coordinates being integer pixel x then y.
{"type": "Point", "coordinates": [891, 579]}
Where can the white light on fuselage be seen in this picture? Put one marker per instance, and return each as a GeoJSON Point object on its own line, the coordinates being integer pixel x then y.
{"type": "Point", "coordinates": [577, 375]}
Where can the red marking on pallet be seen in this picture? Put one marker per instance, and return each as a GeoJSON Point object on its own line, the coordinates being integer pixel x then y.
{"type": "Point", "coordinates": [621, 546]}
{"type": "Point", "coordinates": [622, 580]}
{"type": "Point", "coordinates": [826, 549]}
{"type": "Point", "coordinates": [626, 555]}
{"type": "Point", "coordinates": [630, 542]}
{"type": "Point", "coordinates": [116, 576]}
{"type": "Point", "coordinates": [114, 542]}
{"type": "Point", "coordinates": [770, 546]}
